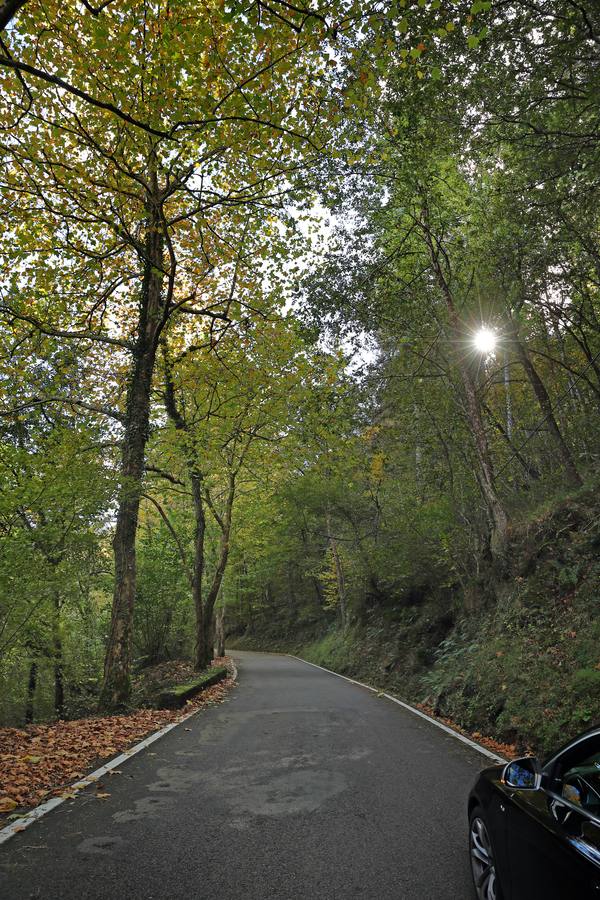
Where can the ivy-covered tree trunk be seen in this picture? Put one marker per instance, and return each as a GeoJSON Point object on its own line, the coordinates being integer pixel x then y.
{"type": "Point", "coordinates": [196, 479]}
{"type": "Point", "coordinates": [116, 687]}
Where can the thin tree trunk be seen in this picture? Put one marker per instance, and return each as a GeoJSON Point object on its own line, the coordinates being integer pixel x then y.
{"type": "Point", "coordinates": [418, 456]}
{"type": "Point", "coordinates": [528, 467]}
{"type": "Point", "coordinates": [545, 405]}
{"type": "Point", "coordinates": [31, 687]}
{"type": "Point", "coordinates": [116, 687]}
{"type": "Point", "coordinates": [204, 650]}
{"type": "Point", "coordinates": [495, 507]}
{"type": "Point", "coordinates": [486, 472]}
{"type": "Point", "coordinates": [220, 632]}
{"type": "Point", "coordinates": [196, 479]}
{"type": "Point", "coordinates": [199, 535]}
{"type": "Point", "coordinates": [292, 600]}
{"type": "Point", "coordinates": [59, 688]}
{"type": "Point", "coordinates": [314, 579]}
{"type": "Point", "coordinates": [339, 573]}
{"type": "Point", "coordinates": [508, 399]}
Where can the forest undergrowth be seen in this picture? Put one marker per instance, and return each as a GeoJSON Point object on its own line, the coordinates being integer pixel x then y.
{"type": "Point", "coordinates": [524, 671]}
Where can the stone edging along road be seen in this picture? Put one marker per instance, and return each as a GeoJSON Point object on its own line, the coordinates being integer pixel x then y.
{"type": "Point", "coordinates": [29, 818]}
{"type": "Point", "coordinates": [417, 712]}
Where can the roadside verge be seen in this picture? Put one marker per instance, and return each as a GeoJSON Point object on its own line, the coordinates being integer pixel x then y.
{"type": "Point", "coordinates": [494, 757]}
{"type": "Point", "coordinates": [69, 792]}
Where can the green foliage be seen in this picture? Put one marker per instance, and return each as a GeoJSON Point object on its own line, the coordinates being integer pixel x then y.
{"type": "Point", "coordinates": [163, 613]}
{"type": "Point", "coordinates": [586, 684]}
{"type": "Point", "coordinates": [350, 503]}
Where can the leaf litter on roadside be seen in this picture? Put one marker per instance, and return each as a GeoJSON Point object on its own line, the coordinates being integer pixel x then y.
{"type": "Point", "coordinates": [40, 761]}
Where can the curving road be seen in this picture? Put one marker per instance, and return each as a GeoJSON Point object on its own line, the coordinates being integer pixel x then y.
{"type": "Point", "coordinates": [300, 787]}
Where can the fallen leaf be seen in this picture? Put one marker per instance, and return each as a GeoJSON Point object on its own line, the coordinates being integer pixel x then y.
{"type": "Point", "coordinates": [43, 761]}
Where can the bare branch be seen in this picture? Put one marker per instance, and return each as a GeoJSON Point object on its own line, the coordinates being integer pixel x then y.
{"type": "Point", "coordinates": [68, 401]}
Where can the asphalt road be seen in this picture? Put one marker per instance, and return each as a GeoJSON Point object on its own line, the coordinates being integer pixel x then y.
{"type": "Point", "coordinates": [300, 787]}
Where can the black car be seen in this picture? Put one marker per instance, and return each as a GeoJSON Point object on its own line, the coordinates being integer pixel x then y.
{"type": "Point", "coordinates": [534, 828]}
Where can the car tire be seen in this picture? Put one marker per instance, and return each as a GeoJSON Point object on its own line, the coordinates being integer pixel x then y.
{"type": "Point", "coordinates": [481, 854]}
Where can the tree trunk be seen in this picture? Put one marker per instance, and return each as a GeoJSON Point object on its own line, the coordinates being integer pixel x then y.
{"type": "Point", "coordinates": [315, 581]}
{"type": "Point", "coordinates": [59, 689]}
{"type": "Point", "coordinates": [485, 473]}
{"type": "Point", "coordinates": [339, 573]}
{"type": "Point", "coordinates": [545, 405]}
{"type": "Point", "coordinates": [220, 632]}
{"type": "Point", "coordinates": [31, 686]}
{"type": "Point", "coordinates": [116, 687]}
{"type": "Point", "coordinates": [292, 599]}
{"type": "Point", "coordinates": [196, 478]}
{"type": "Point", "coordinates": [508, 398]}
{"type": "Point", "coordinates": [199, 650]}
{"type": "Point", "coordinates": [204, 648]}
{"type": "Point", "coordinates": [528, 467]}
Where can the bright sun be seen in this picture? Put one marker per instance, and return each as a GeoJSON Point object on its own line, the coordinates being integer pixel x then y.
{"type": "Point", "coordinates": [485, 340]}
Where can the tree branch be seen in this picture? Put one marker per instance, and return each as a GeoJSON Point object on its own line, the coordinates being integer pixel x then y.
{"type": "Point", "coordinates": [83, 95]}
{"type": "Point", "coordinates": [50, 331]}
{"type": "Point", "coordinates": [40, 401]}
{"type": "Point", "coordinates": [173, 533]}
{"type": "Point", "coordinates": [9, 9]}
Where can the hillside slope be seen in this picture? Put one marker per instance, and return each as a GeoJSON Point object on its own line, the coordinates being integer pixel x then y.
{"type": "Point", "coordinates": [521, 665]}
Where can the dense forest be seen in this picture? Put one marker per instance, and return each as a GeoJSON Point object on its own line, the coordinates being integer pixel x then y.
{"type": "Point", "coordinates": [300, 342]}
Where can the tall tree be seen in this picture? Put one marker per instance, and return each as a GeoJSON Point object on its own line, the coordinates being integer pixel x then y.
{"type": "Point", "coordinates": [123, 212]}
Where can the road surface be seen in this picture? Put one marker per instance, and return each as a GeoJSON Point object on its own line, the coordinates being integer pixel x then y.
{"type": "Point", "coordinates": [300, 787]}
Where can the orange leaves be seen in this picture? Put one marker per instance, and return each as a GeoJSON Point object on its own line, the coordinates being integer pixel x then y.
{"type": "Point", "coordinates": [43, 757]}
{"type": "Point", "coordinates": [506, 750]}
{"type": "Point", "coordinates": [42, 760]}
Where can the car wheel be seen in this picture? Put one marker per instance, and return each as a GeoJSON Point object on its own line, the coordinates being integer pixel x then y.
{"type": "Point", "coordinates": [483, 866]}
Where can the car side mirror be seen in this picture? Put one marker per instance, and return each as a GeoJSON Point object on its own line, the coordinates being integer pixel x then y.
{"type": "Point", "coordinates": [524, 774]}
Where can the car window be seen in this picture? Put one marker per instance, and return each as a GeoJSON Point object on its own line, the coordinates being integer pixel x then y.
{"type": "Point", "coordinates": [578, 776]}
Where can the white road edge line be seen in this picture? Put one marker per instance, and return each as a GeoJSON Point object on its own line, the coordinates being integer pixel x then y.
{"type": "Point", "coordinates": [412, 709]}
{"type": "Point", "coordinates": [25, 821]}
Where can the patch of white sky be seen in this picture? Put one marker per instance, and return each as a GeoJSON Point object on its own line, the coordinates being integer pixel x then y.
{"type": "Point", "coordinates": [318, 228]}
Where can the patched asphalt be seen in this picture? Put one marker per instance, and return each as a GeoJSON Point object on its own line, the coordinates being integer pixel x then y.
{"type": "Point", "coordinates": [300, 786]}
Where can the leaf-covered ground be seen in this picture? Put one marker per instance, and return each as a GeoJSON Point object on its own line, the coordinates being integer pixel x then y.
{"type": "Point", "coordinates": [508, 751]}
{"type": "Point", "coordinates": [40, 761]}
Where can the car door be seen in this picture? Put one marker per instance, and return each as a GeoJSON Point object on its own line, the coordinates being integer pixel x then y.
{"type": "Point", "coordinates": [553, 834]}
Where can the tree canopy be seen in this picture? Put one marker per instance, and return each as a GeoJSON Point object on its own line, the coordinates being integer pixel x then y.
{"type": "Point", "coordinates": [247, 252]}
